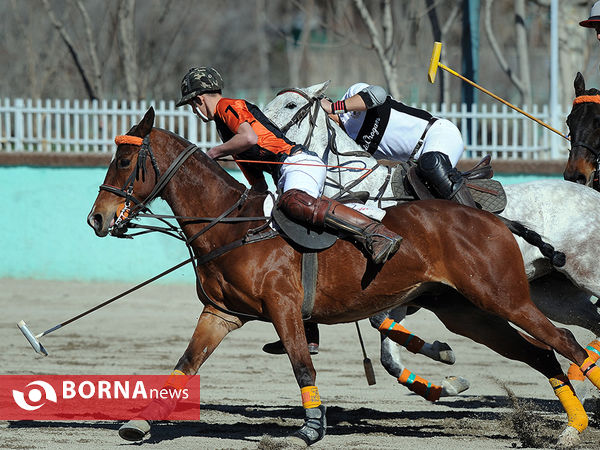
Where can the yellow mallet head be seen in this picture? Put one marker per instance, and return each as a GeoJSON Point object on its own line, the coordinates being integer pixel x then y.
{"type": "Point", "coordinates": [434, 62]}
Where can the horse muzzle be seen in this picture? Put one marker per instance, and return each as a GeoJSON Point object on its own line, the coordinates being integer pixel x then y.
{"type": "Point", "coordinates": [99, 223]}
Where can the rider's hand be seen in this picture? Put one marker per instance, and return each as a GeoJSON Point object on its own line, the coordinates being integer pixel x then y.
{"type": "Point", "coordinates": [326, 104]}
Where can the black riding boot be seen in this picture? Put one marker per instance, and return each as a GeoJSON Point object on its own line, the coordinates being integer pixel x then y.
{"type": "Point", "coordinates": [312, 339]}
{"type": "Point", "coordinates": [444, 180]}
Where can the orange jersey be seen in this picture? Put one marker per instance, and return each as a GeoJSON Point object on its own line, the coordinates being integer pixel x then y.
{"type": "Point", "coordinates": [272, 143]}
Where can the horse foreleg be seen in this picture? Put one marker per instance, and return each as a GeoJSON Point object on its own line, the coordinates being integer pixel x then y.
{"type": "Point", "coordinates": [290, 329]}
{"type": "Point", "coordinates": [390, 359]}
{"type": "Point", "coordinates": [211, 328]}
{"type": "Point", "coordinates": [463, 318]}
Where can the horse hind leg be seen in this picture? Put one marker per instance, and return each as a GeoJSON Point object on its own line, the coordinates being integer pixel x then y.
{"type": "Point", "coordinates": [462, 317]}
{"type": "Point", "coordinates": [210, 330]}
{"type": "Point", "coordinates": [532, 320]}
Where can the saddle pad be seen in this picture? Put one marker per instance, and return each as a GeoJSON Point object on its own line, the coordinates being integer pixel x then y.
{"type": "Point", "coordinates": [399, 184]}
{"type": "Point", "coordinates": [489, 194]}
{"type": "Point", "coordinates": [486, 192]}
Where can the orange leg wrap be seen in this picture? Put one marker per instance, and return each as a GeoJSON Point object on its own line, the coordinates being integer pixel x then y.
{"type": "Point", "coordinates": [576, 415]}
{"type": "Point", "coordinates": [593, 351]}
{"type": "Point", "coordinates": [591, 371]}
{"type": "Point", "coordinates": [420, 386]}
{"type": "Point", "coordinates": [177, 380]}
{"type": "Point", "coordinates": [574, 373]}
{"type": "Point", "coordinates": [401, 335]}
{"type": "Point", "coordinates": [310, 397]}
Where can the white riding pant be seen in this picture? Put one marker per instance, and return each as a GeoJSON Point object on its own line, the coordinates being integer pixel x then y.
{"type": "Point", "coordinates": [444, 137]}
{"type": "Point", "coordinates": [308, 178]}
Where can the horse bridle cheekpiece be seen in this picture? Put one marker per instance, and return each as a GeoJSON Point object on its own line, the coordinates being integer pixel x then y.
{"type": "Point", "coordinates": [126, 213]}
{"type": "Point", "coordinates": [303, 112]}
{"type": "Point", "coordinates": [596, 152]}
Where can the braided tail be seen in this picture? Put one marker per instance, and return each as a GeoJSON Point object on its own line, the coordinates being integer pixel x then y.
{"type": "Point", "coordinates": [557, 259]}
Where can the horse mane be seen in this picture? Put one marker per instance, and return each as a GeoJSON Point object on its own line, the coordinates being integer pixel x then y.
{"type": "Point", "coordinates": [201, 157]}
{"type": "Point", "coordinates": [592, 91]}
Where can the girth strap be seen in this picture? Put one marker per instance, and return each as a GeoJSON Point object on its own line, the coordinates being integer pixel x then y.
{"type": "Point", "coordinates": [310, 269]}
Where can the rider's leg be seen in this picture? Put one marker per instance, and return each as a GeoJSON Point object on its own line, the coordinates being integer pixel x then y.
{"type": "Point", "coordinates": [302, 184]}
{"type": "Point", "coordinates": [379, 242]}
{"type": "Point", "coordinates": [444, 180]}
{"type": "Point", "coordinates": [311, 330]}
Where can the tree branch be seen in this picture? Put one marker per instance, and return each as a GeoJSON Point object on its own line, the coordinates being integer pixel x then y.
{"type": "Point", "coordinates": [388, 68]}
{"type": "Point", "coordinates": [496, 48]}
{"type": "Point", "coordinates": [67, 40]}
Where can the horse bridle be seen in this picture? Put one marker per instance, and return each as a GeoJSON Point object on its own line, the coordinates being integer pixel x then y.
{"type": "Point", "coordinates": [582, 99]}
{"type": "Point", "coordinates": [313, 102]}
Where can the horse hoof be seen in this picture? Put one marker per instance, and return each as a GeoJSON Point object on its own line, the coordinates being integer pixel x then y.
{"type": "Point", "coordinates": [444, 353]}
{"type": "Point", "coordinates": [134, 430]}
{"type": "Point", "coordinates": [452, 386]}
{"type": "Point", "coordinates": [314, 427]}
{"type": "Point", "coordinates": [569, 438]}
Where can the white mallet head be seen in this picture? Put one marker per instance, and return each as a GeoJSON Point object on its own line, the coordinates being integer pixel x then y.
{"type": "Point", "coordinates": [37, 345]}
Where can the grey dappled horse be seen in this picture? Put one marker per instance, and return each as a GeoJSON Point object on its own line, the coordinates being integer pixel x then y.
{"type": "Point", "coordinates": [567, 215]}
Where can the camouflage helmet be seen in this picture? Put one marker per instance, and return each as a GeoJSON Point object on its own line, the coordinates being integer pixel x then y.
{"type": "Point", "coordinates": [199, 80]}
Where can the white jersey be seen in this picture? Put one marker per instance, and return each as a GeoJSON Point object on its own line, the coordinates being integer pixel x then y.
{"type": "Point", "coordinates": [393, 129]}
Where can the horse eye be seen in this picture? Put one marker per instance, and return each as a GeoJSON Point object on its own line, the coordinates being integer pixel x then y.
{"type": "Point", "coordinates": [124, 163]}
{"type": "Point", "coordinates": [291, 105]}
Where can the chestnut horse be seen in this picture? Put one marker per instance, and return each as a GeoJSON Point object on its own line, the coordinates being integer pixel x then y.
{"type": "Point", "coordinates": [444, 264]}
{"type": "Point", "coordinates": [584, 131]}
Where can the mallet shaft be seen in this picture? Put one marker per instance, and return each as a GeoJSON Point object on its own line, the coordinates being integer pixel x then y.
{"type": "Point", "coordinates": [116, 297]}
{"type": "Point", "coordinates": [482, 89]}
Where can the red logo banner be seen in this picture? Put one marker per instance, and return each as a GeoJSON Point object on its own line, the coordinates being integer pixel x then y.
{"type": "Point", "coordinates": [99, 397]}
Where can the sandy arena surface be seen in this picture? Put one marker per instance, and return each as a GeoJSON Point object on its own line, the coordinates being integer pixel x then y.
{"type": "Point", "coordinates": [248, 395]}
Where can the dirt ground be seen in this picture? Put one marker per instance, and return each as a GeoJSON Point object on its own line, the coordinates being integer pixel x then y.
{"type": "Point", "coordinates": [249, 397]}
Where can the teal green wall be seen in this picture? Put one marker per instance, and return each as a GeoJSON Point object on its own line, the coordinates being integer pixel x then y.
{"type": "Point", "coordinates": [44, 233]}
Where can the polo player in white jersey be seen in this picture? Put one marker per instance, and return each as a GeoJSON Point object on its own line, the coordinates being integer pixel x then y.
{"type": "Point", "coordinates": [389, 129]}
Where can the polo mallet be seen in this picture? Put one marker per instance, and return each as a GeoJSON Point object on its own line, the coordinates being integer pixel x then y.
{"type": "Point", "coordinates": [434, 63]}
{"type": "Point", "coordinates": [369, 373]}
{"type": "Point", "coordinates": [34, 339]}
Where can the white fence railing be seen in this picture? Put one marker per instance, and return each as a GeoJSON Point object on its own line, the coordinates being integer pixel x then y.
{"type": "Point", "coordinates": [73, 126]}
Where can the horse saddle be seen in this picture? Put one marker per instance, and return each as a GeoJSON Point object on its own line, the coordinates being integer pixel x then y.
{"type": "Point", "coordinates": [487, 193]}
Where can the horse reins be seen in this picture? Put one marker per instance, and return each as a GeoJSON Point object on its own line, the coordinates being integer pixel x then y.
{"type": "Point", "coordinates": [331, 143]}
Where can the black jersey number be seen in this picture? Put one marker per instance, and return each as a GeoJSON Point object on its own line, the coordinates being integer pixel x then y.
{"type": "Point", "coordinates": [229, 108]}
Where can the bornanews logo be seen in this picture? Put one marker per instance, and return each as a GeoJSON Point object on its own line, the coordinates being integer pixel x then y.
{"type": "Point", "coordinates": [99, 397]}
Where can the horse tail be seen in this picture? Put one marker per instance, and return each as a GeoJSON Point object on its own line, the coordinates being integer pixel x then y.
{"type": "Point", "coordinates": [557, 259]}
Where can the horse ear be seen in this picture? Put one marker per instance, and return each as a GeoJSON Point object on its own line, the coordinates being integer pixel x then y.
{"type": "Point", "coordinates": [146, 124]}
{"type": "Point", "coordinates": [318, 89]}
{"type": "Point", "coordinates": [579, 84]}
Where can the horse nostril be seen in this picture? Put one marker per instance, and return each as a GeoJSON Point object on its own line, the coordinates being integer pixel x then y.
{"type": "Point", "coordinates": [581, 179]}
{"type": "Point", "coordinates": [95, 221]}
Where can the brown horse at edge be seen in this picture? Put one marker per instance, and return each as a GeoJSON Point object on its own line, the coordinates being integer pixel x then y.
{"type": "Point", "coordinates": [461, 263]}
